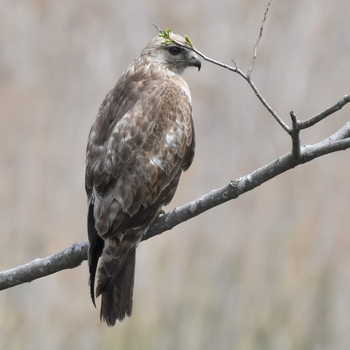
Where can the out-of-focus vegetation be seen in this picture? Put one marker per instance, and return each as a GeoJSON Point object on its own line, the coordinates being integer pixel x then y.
{"type": "Point", "coordinates": [270, 270]}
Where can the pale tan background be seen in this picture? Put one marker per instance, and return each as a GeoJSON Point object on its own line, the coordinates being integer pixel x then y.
{"type": "Point", "coordinates": [270, 270]}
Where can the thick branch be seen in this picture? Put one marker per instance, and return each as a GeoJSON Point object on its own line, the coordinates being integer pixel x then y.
{"type": "Point", "coordinates": [74, 255]}
{"type": "Point", "coordinates": [66, 259]}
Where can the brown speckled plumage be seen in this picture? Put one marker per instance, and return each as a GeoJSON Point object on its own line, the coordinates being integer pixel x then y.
{"type": "Point", "coordinates": [140, 142]}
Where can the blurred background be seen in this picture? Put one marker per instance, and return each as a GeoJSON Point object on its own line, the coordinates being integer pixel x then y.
{"type": "Point", "coordinates": [270, 270]}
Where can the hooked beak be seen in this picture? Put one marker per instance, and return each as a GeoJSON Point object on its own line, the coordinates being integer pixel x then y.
{"type": "Point", "coordinates": [195, 61]}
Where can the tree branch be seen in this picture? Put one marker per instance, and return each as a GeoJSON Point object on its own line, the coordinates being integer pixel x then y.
{"type": "Point", "coordinates": [66, 259]}
{"type": "Point", "coordinates": [77, 253]}
{"type": "Point", "coordinates": [255, 51]}
{"type": "Point", "coordinates": [246, 77]}
{"type": "Point", "coordinates": [324, 114]}
{"type": "Point", "coordinates": [297, 125]}
{"type": "Point", "coordinates": [295, 135]}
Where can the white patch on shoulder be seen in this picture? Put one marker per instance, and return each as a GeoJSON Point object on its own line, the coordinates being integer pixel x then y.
{"type": "Point", "coordinates": [170, 138]}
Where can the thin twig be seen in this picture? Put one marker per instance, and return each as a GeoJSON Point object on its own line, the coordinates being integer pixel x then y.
{"type": "Point", "coordinates": [255, 51]}
{"type": "Point", "coordinates": [156, 26]}
{"type": "Point", "coordinates": [247, 78]}
{"type": "Point", "coordinates": [235, 69]}
{"type": "Point", "coordinates": [324, 114]}
{"type": "Point", "coordinates": [266, 105]}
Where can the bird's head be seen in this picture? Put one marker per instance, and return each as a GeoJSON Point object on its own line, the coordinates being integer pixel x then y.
{"type": "Point", "coordinates": [170, 55]}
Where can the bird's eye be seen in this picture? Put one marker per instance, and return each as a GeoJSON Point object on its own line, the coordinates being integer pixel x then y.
{"type": "Point", "coordinates": [174, 50]}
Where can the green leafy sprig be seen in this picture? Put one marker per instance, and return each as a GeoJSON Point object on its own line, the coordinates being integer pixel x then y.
{"type": "Point", "coordinates": [166, 35]}
{"type": "Point", "coordinates": [188, 41]}
{"type": "Point", "coordinates": [169, 41]}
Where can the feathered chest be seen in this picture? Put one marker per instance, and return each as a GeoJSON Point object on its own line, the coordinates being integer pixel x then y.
{"type": "Point", "coordinates": [143, 135]}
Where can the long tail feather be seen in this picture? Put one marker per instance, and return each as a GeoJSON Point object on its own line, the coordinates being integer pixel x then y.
{"type": "Point", "coordinates": [116, 285]}
{"type": "Point", "coordinates": [95, 250]}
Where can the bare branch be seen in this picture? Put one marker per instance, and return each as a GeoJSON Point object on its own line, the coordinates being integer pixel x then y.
{"type": "Point", "coordinates": [247, 78]}
{"type": "Point", "coordinates": [74, 255]}
{"type": "Point", "coordinates": [297, 125]}
{"type": "Point", "coordinates": [324, 114]}
{"type": "Point", "coordinates": [267, 106]}
{"type": "Point", "coordinates": [66, 259]}
{"type": "Point", "coordinates": [339, 141]}
{"type": "Point", "coordinates": [341, 134]}
{"type": "Point", "coordinates": [255, 50]}
{"type": "Point", "coordinates": [295, 134]}
{"type": "Point", "coordinates": [157, 27]}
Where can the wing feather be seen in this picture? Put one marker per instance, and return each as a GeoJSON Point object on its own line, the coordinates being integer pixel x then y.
{"type": "Point", "coordinates": [131, 167]}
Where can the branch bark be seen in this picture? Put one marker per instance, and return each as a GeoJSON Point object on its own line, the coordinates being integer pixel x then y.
{"type": "Point", "coordinates": [66, 259]}
{"type": "Point", "coordinates": [77, 253]}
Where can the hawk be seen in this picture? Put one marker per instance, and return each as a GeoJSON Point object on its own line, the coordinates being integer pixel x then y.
{"type": "Point", "coordinates": [139, 144]}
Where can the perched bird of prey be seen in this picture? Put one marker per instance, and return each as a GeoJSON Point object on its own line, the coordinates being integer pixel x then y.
{"type": "Point", "coordinates": [140, 142]}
